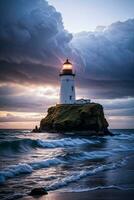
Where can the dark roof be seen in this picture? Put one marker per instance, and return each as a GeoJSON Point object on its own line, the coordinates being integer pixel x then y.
{"type": "Point", "coordinates": [67, 72]}
{"type": "Point", "coordinates": [67, 62]}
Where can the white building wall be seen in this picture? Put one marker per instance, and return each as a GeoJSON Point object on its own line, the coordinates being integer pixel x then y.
{"type": "Point", "coordinates": [67, 90]}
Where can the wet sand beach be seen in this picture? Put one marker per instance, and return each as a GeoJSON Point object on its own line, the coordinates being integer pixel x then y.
{"type": "Point", "coordinates": [106, 194]}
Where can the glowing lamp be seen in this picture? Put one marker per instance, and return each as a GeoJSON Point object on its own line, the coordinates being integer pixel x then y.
{"type": "Point", "coordinates": [67, 65]}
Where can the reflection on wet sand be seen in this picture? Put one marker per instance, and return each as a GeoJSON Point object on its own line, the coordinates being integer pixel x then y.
{"type": "Point", "coordinates": [107, 194]}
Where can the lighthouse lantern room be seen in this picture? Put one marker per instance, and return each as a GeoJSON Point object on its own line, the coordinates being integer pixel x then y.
{"type": "Point", "coordinates": [67, 89]}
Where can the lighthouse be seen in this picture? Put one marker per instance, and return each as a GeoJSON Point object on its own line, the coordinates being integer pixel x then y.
{"type": "Point", "coordinates": [67, 81]}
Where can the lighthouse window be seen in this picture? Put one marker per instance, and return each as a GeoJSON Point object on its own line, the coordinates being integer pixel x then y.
{"type": "Point", "coordinates": [72, 88]}
{"type": "Point", "coordinates": [70, 97]}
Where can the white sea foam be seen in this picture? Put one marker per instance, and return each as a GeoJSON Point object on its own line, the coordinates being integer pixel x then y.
{"type": "Point", "coordinates": [46, 163]}
{"type": "Point", "coordinates": [15, 170]}
{"type": "Point", "coordinates": [123, 148]}
{"type": "Point", "coordinates": [8, 148]}
{"type": "Point", "coordinates": [14, 196]}
{"type": "Point", "coordinates": [98, 188]}
{"type": "Point", "coordinates": [82, 156]}
{"type": "Point", "coordinates": [124, 137]}
{"type": "Point", "coordinates": [64, 142]}
{"type": "Point", "coordinates": [92, 155]}
{"type": "Point", "coordinates": [83, 173]}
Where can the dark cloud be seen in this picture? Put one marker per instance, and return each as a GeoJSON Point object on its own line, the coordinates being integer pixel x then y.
{"type": "Point", "coordinates": [108, 54]}
{"type": "Point", "coordinates": [92, 88]}
{"type": "Point", "coordinates": [34, 43]}
{"type": "Point", "coordinates": [120, 112]}
{"type": "Point", "coordinates": [25, 103]}
{"type": "Point", "coordinates": [127, 103]}
{"type": "Point", "coordinates": [20, 99]}
{"type": "Point", "coordinates": [108, 59]}
{"type": "Point", "coordinates": [16, 118]}
{"type": "Point", "coordinates": [119, 107]}
{"type": "Point", "coordinates": [27, 73]}
{"type": "Point", "coordinates": [31, 33]}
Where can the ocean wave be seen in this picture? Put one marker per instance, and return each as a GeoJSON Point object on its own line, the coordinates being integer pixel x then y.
{"type": "Point", "coordinates": [99, 154]}
{"type": "Point", "coordinates": [99, 188]}
{"type": "Point", "coordinates": [25, 168]}
{"type": "Point", "coordinates": [17, 146]}
{"type": "Point", "coordinates": [123, 136]}
{"type": "Point", "coordinates": [65, 142]}
{"type": "Point", "coordinates": [15, 170]}
{"type": "Point", "coordinates": [24, 145]}
{"type": "Point", "coordinates": [84, 173]}
{"type": "Point", "coordinates": [46, 163]}
{"type": "Point", "coordinates": [91, 155]}
{"type": "Point", "coordinates": [14, 196]}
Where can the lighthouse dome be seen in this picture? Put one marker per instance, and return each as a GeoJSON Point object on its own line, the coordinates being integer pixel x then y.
{"type": "Point", "coordinates": [67, 68]}
{"type": "Point", "coordinates": [67, 65]}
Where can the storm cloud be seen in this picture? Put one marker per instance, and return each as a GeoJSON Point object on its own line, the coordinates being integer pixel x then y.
{"type": "Point", "coordinates": [108, 59]}
{"type": "Point", "coordinates": [33, 40]}
{"type": "Point", "coordinates": [34, 44]}
{"type": "Point", "coordinates": [108, 54]}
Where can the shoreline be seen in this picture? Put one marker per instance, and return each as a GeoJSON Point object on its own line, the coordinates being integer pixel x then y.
{"type": "Point", "coordinates": [114, 180]}
{"type": "Point", "coordinates": [100, 194]}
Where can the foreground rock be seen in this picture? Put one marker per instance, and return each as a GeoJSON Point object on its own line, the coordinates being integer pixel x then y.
{"type": "Point", "coordinates": [82, 118]}
{"type": "Point", "coordinates": [38, 192]}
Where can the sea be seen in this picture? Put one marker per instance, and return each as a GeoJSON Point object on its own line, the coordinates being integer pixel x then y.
{"type": "Point", "coordinates": [64, 162]}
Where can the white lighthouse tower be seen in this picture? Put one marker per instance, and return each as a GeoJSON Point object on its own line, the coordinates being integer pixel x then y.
{"type": "Point", "coordinates": [67, 89]}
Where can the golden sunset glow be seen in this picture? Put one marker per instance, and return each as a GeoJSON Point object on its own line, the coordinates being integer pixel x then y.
{"type": "Point", "coordinates": [19, 120]}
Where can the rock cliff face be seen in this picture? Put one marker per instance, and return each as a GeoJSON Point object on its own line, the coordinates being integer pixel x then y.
{"type": "Point", "coordinates": [85, 119]}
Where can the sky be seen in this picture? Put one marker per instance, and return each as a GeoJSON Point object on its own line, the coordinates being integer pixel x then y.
{"type": "Point", "coordinates": [86, 15]}
{"type": "Point", "coordinates": [36, 36]}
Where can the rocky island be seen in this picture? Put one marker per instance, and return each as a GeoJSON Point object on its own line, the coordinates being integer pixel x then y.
{"type": "Point", "coordinates": [76, 118]}
{"type": "Point", "coordinates": [72, 115]}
